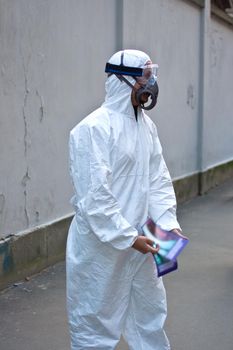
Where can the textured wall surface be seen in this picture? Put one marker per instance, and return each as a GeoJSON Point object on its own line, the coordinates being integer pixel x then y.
{"type": "Point", "coordinates": [52, 60]}
{"type": "Point", "coordinates": [218, 122]}
{"type": "Point", "coordinates": [171, 31]}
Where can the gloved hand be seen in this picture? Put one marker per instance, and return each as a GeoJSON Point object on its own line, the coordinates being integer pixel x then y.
{"type": "Point", "coordinates": [145, 245]}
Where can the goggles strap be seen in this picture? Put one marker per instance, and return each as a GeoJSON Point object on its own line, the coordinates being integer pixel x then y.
{"type": "Point", "coordinates": [122, 78]}
{"type": "Point", "coordinates": [122, 58]}
{"type": "Point", "coordinates": [123, 70]}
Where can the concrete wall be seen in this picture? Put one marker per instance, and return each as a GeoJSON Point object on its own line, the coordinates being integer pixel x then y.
{"type": "Point", "coordinates": [170, 31]}
{"type": "Point", "coordinates": [218, 121]}
{"type": "Point", "coordinates": [52, 61]}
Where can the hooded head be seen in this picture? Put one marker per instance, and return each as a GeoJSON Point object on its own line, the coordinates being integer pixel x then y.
{"type": "Point", "coordinates": [118, 92]}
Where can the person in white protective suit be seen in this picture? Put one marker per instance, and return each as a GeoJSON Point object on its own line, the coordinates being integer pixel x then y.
{"type": "Point", "coordinates": [120, 178]}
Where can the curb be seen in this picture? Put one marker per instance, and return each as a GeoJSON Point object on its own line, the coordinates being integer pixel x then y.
{"type": "Point", "coordinates": [27, 253]}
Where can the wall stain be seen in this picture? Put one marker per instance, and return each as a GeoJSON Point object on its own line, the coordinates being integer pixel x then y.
{"type": "Point", "coordinates": [37, 216]}
{"type": "Point", "coordinates": [5, 258]}
{"type": "Point", "coordinates": [216, 49]}
{"type": "Point", "coordinates": [2, 202]}
{"type": "Point", "coordinates": [191, 96]}
{"type": "Point", "coordinates": [3, 70]}
{"type": "Point", "coordinates": [42, 108]}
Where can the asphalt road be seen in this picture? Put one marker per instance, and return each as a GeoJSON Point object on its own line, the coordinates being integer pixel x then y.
{"type": "Point", "coordinates": [200, 293]}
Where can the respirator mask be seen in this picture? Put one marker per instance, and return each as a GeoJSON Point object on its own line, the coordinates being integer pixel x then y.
{"type": "Point", "coordinates": [146, 96]}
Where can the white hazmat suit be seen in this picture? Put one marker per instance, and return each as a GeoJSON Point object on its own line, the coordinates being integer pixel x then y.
{"type": "Point", "coordinates": [120, 178]}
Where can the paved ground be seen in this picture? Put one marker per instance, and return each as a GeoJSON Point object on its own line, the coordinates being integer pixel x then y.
{"type": "Point", "coordinates": [200, 294]}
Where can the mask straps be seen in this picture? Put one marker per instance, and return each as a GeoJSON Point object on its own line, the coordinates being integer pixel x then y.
{"type": "Point", "coordinates": [122, 58]}
{"type": "Point", "coordinates": [121, 77]}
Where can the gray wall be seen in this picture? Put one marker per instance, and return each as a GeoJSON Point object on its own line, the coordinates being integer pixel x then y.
{"type": "Point", "coordinates": [170, 31]}
{"type": "Point", "coordinates": [51, 66]}
{"type": "Point", "coordinates": [52, 61]}
{"type": "Point", "coordinates": [218, 121]}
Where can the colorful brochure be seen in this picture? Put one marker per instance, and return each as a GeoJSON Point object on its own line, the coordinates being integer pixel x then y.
{"type": "Point", "coordinates": [163, 265]}
{"type": "Point", "coordinates": [170, 245]}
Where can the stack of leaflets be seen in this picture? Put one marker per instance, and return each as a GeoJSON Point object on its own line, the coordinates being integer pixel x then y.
{"type": "Point", "coordinates": [170, 246]}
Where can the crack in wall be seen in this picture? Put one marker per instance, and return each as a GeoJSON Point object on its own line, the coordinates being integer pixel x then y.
{"type": "Point", "coordinates": [26, 92]}
{"type": "Point", "coordinates": [2, 207]}
{"type": "Point", "coordinates": [2, 202]}
{"type": "Point", "coordinates": [191, 96]}
{"type": "Point", "coordinates": [25, 179]}
{"type": "Point", "coordinates": [42, 109]}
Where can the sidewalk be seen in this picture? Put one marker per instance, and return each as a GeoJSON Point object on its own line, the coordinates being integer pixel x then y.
{"type": "Point", "coordinates": [200, 293]}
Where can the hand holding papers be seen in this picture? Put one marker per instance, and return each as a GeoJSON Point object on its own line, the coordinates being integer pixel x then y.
{"type": "Point", "coordinates": [171, 244]}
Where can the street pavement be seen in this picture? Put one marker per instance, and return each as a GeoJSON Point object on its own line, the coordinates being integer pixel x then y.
{"type": "Point", "coordinates": [200, 293]}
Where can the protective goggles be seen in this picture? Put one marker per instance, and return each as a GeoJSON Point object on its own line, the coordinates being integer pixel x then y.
{"type": "Point", "coordinates": [145, 73]}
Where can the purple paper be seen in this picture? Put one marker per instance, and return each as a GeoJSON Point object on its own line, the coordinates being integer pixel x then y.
{"type": "Point", "coordinates": [164, 266]}
{"type": "Point", "coordinates": [170, 246]}
{"type": "Point", "coordinates": [169, 242]}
